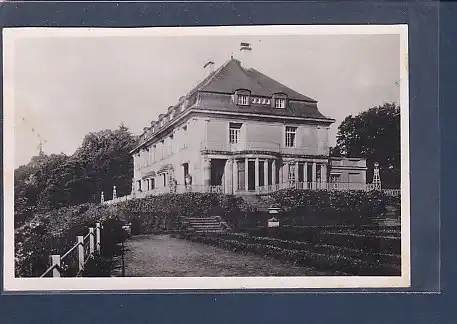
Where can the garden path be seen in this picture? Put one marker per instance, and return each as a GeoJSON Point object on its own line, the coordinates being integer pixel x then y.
{"type": "Point", "coordinates": [164, 256]}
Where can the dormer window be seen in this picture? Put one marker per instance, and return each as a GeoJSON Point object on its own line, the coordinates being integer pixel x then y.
{"type": "Point", "coordinates": [161, 123]}
{"type": "Point", "coordinates": [280, 103]}
{"type": "Point", "coordinates": [171, 115]}
{"type": "Point", "coordinates": [242, 97]}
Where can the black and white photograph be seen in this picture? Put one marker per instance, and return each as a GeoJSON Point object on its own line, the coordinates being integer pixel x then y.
{"type": "Point", "coordinates": [256, 157]}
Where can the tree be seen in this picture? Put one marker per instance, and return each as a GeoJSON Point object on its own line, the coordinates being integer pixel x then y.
{"type": "Point", "coordinates": [53, 181]}
{"type": "Point", "coordinates": [374, 135]}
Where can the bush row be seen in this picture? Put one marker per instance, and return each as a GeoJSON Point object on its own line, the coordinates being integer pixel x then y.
{"type": "Point", "coordinates": [163, 212]}
{"type": "Point", "coordinates": [331, 207]}
{"type": "Point", "coordinates": [334, 263]}
{"type": "Point", "coordinates": [55, 232]}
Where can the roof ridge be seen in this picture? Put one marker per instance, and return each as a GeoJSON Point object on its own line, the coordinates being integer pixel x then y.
{"type": "Point", "coordinates": [282, 84]}
{"type": "Point", "coordinates": [209, 78]}
{"type": "Point", "coordinates": [257, 81]}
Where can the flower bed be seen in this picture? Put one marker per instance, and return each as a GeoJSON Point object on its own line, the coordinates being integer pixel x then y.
{"type": "Point", "coordinates": [318, 248]}
{"type": "Point", "coordinates": [335, 261]}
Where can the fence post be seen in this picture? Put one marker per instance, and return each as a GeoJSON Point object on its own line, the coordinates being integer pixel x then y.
{"type": "Point", "coordinates": [80, 253]}
{"type": "Point", "coordinates": [97, 237]}
{"type": "Point", "coordinates": [55, 262]}
{"type": "Point", "coordinates": [91, 240]}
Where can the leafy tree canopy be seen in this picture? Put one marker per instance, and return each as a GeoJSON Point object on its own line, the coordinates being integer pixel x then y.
{"type": "Point", "coordinates": [53, 181]}
{"type": "Point", "coordinates": [374, 135]}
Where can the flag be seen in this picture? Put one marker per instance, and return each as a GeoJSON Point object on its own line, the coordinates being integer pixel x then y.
{"type": "Point", "coordinates": [245, 46]}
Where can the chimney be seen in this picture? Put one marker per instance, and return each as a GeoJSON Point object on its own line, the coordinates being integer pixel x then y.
{"type": "Point", "coordinates": [208, 68]}
{"type": "Point", "coordinates": [245, 54]}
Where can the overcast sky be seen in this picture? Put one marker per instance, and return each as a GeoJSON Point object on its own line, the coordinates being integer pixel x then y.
{"type": "Point", "coordinates": [65, 88]}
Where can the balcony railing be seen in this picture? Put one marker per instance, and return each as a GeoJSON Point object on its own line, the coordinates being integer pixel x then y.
{"type": "Point", "coordinates": [260, 190]}
{"type": "Point", "coordinates": [258, 146]}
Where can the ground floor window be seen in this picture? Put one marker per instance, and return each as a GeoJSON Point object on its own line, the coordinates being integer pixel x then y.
{"type": "Point", "coordinates": [262, 173]}
{"type": "Point", "coordinates": [291, 176]}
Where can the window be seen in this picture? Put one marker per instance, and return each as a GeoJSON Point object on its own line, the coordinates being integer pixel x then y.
{"type": "Point", "coordinates": [184, 137]}
{"type": "Point", "coordinates": [290, 136]}
{"type": "Point", "coordinates": [234, 132]}
{"type": "Point", "coordinates": [291, 175]}
{"type": "Point", "coordinates": [280, 103]}
{"type": "Point", "coordinates": [171, 116]}
{"type": "Point", "coordinates": [243, 99]}
{"type": "Point", "coordinates": [161, 123]}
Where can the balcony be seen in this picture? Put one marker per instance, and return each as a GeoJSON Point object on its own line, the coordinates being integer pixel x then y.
{"type": "Point", "coordinates": [260, 190]}
{"type": "Point", "coordinates": [256, 146]}
{"type": "Point", "coordinates": [348, 163]}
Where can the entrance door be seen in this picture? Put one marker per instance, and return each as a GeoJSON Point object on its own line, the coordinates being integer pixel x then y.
{"type": "Point", "coordinates": [217, 171]}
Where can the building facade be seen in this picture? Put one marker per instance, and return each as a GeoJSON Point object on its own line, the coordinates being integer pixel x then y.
{"type": "Point", "coordinates": [239, 132]}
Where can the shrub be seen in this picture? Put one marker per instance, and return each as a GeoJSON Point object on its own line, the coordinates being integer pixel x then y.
{"type": "Point", "coordinates": [155, 214]}
{"type": "Point", "coordinates": [331, 207]}
{"type": "Point", "coordinates": [55, 232]}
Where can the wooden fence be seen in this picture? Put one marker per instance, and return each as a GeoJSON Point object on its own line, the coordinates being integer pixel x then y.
{"type": "Point", "coordinates": [83, 255]}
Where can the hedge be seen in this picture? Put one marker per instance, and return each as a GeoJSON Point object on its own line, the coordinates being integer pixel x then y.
{"type": "Point", "coordinates": [161, 213]}
{"type": "Point", "coordinates": [331, 206]}
{"type": "Point", "coordinates": [55, 232]}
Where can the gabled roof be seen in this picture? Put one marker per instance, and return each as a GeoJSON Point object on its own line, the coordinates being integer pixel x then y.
{"type": "Point", "coordinates": [232, 76]}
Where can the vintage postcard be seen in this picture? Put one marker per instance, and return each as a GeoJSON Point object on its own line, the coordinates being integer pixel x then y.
{"type": "Point", "coordinates": [222, 158]}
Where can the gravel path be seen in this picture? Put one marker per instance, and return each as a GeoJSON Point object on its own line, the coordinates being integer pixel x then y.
{"type": "Point", "coordinates": [164, 256]}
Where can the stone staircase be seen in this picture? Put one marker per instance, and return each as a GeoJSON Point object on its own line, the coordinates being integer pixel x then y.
{"type": "Point", "coordinates": [199, 225]}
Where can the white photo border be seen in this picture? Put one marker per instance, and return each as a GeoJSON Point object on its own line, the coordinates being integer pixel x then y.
{"type": "Point", "coordinates": [12, 284]}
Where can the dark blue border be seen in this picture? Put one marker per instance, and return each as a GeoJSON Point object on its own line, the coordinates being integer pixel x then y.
{"type": "Point", "coordinates": [424, 20]}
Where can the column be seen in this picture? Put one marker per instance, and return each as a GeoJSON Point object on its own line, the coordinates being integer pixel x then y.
{"type": "Point", "coordinates": [206, 173]}
{"type": "Point", "coordinates": [324, 174]}
{"type": "Point", "coordinates": [273, 171]}
{"type": "Point", "coordinates": [246, 178]}
{"type": "Point", "coordinates": [281, 173]}
{"type": "Point", "coordinates": [235, 175]}
{"type": "Point", "coordinates": [314, 175]}
{"type": "Point", "coordinates": [265, 173]}
{"type": "Point", "coordinates": [297, 165]}
{"type": "Point", "coordinates": [256, 174]}
{"type": "Point", "coordinates": [285, 175]}
{"type": "Point", "coordinates": [305, 174]}
{"type": "Point", "coordinates": [228, 176]}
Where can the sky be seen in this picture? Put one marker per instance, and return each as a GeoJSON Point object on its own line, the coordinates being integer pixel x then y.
{"type": "Point", "coordinates": [66, 87]}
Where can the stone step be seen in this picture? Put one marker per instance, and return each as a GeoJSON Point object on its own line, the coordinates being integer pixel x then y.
{"type": "Point", "coordinates": [196, 224]}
